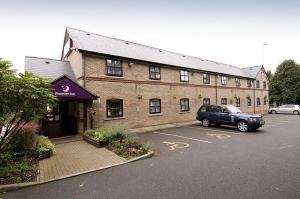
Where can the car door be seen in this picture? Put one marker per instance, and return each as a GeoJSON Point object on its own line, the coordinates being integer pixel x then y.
{"type": "Point", "coordinates": [214, 114]}
{"type": "Point", "coordinates": [281, 109]}
{"type": "Point", "coordinates": [225, 117]}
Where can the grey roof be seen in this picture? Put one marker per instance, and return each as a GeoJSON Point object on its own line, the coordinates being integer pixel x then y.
{"type": "Point", "coordinates": [105, 45]}
{"type": "Point", "coordinates": [252, 71]}
{"type": "Point", "coordinates": [49, 68]}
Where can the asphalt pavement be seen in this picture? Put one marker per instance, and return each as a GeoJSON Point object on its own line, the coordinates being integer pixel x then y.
{"type": "Point", "coordinates": [197, 162]}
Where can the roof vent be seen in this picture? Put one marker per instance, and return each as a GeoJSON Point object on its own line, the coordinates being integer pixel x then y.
{"type": "Point", "coordinates": [183, 56]}
{"type": "Point", "coordinates": [160, 50]}
{"type": "Point", "coordinates": [127, 43]}
{"type": "Point", "coordinates": [47, 62]}
{"type": "Point", "coordinates": [88, 34]}
{"type": "Point", "coordinates": [202, 59]}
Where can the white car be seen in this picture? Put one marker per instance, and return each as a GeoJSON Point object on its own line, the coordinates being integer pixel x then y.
{"type": "Point", "coordinates": [287, 108]}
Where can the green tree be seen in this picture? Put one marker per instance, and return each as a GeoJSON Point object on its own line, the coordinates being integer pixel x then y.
{"type": "Point", "coordinates": [24, 98]}
{"type": "Point", "coordinates": [285, 83]}
{"type": "Point", "coordinates": [269, 74]}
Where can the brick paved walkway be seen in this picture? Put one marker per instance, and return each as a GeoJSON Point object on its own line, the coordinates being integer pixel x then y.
{"type": "Point", "coordinates": [75, 156]}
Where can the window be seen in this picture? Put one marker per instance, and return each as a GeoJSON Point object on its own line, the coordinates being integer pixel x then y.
{"type": "Point", "coordinates": [154, 72]}
{"type": "Point", "coordinates": [238, 102]}
{"type": "Point", "coordinates": [249, 101]}
{"type": "Point", "coordinates": [184, 105]}
{"type": "Point", "coordinates": [258, 101]}
{"type": "Point", "coordinates": [249, 83]}
{"type": "Point", "coordinates": [224, 101]}
{"type": "Point", "coordinates": [113, 67]}
{"type": "Point", "coordinates": [238, 82]}
{"type": "Point", "coordinates": [184, 76]}
{"type": "Point", "coordinates": [265, 101]}
{"type": "Point", "coordinates": [206, 78]}
{"type": "Point", "coordinates": [223, 80]}
{"type": "Point", "coordinates": [154, 106]}
{"type": "Point", "coordinates": [264, 85]}
{"type": "Point", "coordinates": [206, 101]}
{"type": "Point", "coordinates": [257, 84]}
{"type": "Point", "coordinates": [114, 108]}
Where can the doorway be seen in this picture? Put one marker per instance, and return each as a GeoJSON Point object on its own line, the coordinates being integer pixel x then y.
{"type": "Point", "coordinates": [68, 122]}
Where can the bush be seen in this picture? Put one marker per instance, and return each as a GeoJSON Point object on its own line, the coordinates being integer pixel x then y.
{"type": "Point", "coordinates": [15, 168]}
{"type": "Point", "coordinates": [23, 143]}
{"type": "Point", "coordinates": [130, 147]}
{"type": "Point", "coordinates": [44, 145]}
{"type": "Point", "coordinates": [107, 134]}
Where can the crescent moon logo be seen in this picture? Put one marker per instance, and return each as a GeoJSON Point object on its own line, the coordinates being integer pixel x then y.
{"type": "Point", "coordinates": [65, 89]}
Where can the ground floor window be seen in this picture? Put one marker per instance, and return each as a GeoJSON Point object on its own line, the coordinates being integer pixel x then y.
{"type": "Point", "coordinates": [258, 101]}
{"type": "Point", "coordinates": [238, 102]}
{"type": "Point", "coordinates": [206, 101]}
{"type": "Point", "coordinates": [224, 101]}
{"type": "Point", "coordinates": [249, 101]}
{"type": "Point", "coordinates": [184, 105]}
{"type": "Point", "coordinates": [154, 106]}
{"type": "Point", "coordinates": [265, 100]}
{"type": "Point", "coordinates": [114, 108]}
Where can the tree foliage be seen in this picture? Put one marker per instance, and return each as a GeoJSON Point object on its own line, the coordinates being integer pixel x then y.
{"type": "Point", "coordinates": [285, 83]}
{"type": "Point", "coordinates": [24, 98]}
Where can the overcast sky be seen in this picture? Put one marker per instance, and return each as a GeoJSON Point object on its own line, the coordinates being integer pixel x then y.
{"type": "Point", "coordinates": [231, 32]}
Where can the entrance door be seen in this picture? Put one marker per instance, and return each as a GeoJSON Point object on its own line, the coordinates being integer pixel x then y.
{"type": "Point", "coordinates": [68, 122]}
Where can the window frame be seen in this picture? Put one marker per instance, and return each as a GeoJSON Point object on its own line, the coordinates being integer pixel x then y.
{"type": "Point", "coordinates": [223, 80]}
{"type": "Point", "coordinates": [184, 75]}
{"type": "Point", "coordinates": [265, 101]}
{"type": "Point", "coordinates": [238, 82]}
{"type": "Point", "coordinates": [154, 72]}
{"type": "Point", "coordinates": [206, 99]}
{"type": "Point", "coordinates": [206, 80]}
{"type": "Point", "coordinates": [188, 105]}
{"type": "Point", "coordinates": [249, 101]}
{"type": "Point", "coordinates": [121, 107]}
{"type": "Point", "coordinates": [249, 83]}
{"type": "Point", "coordinates": [106, 67]}
{"type": "Point", "coordinates": [258, 100]}
{"type": "Point", "coordinates": [224, 99]}
{"type": "Point", "coordinates": [238, 102]}
{"type": "Point", "coordinates": [264, 85]}
{"type": "Point", "coordinates": [154, 99]}
{"type": "Point", "coordinates": [257, 84]}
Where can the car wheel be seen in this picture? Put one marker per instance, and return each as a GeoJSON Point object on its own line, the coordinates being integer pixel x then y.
{"type": "Point", "coordinates": [205, 122]}
{"type": "Point", "coordinates": [296, 112]}
{"type": "Point", "coordinates": [242, 126]}
{"type": "Point", "coordinates": [273, 112]}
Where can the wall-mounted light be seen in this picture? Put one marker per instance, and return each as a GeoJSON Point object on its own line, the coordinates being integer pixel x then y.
{"type": "Point", "coordinates": [131, 63]}
{"type": "Point", "coordinates": [140, 97]}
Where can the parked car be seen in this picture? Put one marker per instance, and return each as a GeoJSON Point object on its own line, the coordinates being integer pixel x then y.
{"type": "Point", "coordinates": [228, 115]}
{"type": "Point", "coordinates": [286, 108]}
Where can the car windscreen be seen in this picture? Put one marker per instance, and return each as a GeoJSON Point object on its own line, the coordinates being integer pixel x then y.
{"type": "Point", "coordinates": [233, 109]}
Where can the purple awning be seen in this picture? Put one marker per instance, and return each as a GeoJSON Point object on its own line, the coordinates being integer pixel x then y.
{"type": "Point", "coordinates": [64, 88]}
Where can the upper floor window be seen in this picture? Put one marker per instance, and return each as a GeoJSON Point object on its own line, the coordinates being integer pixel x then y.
{"type": "Point", "coordinates": [238, 102]}
{"type": "Point", "coordinates": [223, 80]}
{"type": "Point", "coordinates": [249, 101]}
{"type": "Point", "coordinates": [206, 101]}
{"type": "Point", "coordinates": [184, 105]}
{"type": "Point", "coordinates": [224, 101]}
{"type": "Point", "coordinates": [154, 106]}
{"type": "Point", "coordinates": [114, 67]}
{"type": "Point", "coordinates": [238, 82]}
{"type": "Point", "coordinates": [265, 100]}
{"type": "Point", "coordinates": [154, 72]}
{"type": "Point", "coordinates": [184, 76]}
{"type": "Point", "coordinates": [206, 78]}
{"type": "Point", "coordinates": [257, 84]}
{"type": "Point", "coordinates": [258, 101]}
{"type": "Point", "coordinates": [264, 85]}
{"type": "Point", "coordinates": [114, 108]}
{"type": "Point", "coordinates": [249, 83]}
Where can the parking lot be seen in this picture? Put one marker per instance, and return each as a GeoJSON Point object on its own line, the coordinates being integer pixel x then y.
{"type": "Point", "coordinates": [197, 162]}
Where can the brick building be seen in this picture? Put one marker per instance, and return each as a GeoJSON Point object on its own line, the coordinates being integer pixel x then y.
{"type": "Point", "coordinates": [140, 86]}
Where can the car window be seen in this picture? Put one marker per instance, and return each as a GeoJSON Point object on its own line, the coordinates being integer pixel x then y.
{"type": "Point", "coordinates": [203, 109]}
{"type": "Point", "coordinates": [282, 106]}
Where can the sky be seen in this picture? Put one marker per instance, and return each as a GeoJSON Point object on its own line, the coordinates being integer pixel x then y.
{"type": "Point", "coordinates": [231, 32]}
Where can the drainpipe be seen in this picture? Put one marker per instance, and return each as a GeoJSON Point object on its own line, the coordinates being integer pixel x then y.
{"type": "Point", "coordinates": [216, 83]}
{"type": "Point", "coordinates": [83, 68]}
{"type": "Point", "coordinates": [254, 100]}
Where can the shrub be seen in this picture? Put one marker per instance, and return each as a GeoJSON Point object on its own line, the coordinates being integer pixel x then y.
{"type": "Point", "coordinates": [44, 145]}
{"type": "Point", "coordinates": [107, 134]}
{"type": "Point", "coordinates": [23, 143]}
{"type": "Point", "coordinates": [15, 168]}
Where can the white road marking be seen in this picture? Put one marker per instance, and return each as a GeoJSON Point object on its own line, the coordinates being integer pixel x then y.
{"type": "Point", "coordinates": [215, 130]}
{"type": "Point", "coordinates": [176, 145]}
{"type": "Point", "coordinates": [205, 141]}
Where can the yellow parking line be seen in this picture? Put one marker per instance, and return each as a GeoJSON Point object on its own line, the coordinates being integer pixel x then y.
{"type": "Point", "coordinates": [183, 137]}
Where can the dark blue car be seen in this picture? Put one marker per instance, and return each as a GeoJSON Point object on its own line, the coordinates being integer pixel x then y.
{"type": "Point", "coordinates": [228, 115]}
